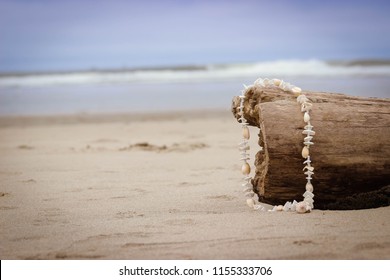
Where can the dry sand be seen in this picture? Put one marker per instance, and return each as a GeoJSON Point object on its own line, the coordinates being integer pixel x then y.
{"type": "Point", "coordinates": [162, 186]}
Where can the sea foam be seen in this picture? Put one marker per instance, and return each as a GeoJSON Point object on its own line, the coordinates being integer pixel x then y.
{"type": "Point", "coordinates": [280, 68]}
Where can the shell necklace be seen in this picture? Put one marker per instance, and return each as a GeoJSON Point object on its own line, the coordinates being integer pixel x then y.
{"type": "Point", "coordinates": [300, 207]}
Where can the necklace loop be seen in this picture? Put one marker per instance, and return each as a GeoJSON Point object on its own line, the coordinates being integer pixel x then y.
{"type": "Point", "coordinates": [306, 106]}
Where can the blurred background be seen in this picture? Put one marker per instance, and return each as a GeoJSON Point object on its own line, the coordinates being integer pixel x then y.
{"type": "Point", "coordinates": [67, 57]}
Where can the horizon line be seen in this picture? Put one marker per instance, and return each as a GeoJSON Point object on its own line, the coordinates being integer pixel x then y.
{"type": "Point", "coordinates": [191, 67]}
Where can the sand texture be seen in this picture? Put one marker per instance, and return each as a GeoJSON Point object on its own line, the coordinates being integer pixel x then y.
{"type": "Point", "coordinates": [154, 187]}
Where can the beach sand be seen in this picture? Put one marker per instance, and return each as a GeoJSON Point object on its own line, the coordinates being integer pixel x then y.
{"type": "Point", "coordinates": [157, 186]}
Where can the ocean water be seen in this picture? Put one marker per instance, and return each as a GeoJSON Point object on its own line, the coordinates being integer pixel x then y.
{"type": "Point", "coordinates": [182, 88]}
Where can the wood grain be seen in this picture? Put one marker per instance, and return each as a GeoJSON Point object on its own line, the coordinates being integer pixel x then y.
{"type": "Point", "coordinates": [351, 151]}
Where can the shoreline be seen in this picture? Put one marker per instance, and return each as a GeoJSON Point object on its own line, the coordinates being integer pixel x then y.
{"type": "Point", "coordinates": [367, 62]}
{"type": "Point", "coordinates": [11, 120]}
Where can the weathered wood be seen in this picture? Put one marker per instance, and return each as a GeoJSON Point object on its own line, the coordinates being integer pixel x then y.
{"type": "Point", "coordinates": [351, 154]}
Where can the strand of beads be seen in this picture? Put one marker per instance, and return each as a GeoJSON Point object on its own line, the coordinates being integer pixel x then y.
{"type": "Point", "coordinates": [246, 169]}
{"type": "Point", "coordinates": [306, 106]}
{"type": "Point", "coordinates": [276, 83]}
{"type": "Point", "coordinates": [307, 204]}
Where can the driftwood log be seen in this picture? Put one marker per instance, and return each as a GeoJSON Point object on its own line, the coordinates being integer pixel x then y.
{"type": "Point", "coordinates": [351, 152]}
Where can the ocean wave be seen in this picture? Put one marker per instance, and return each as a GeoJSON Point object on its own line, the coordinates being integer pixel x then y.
{"type": "Point", "coordinates": [281, 68]}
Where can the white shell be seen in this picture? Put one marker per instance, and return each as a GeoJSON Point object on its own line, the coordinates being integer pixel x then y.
{"type": "Point", "coordinates": [284, 86]}
{"type": "Point", "coordinates": [245, 158]}
{"type": "Point", "coordinates": [296, 90]}
{"type": "Point", "coordinates": [242, 120]}
{"type": "Point", "coordinates": [279, 208]}
{"type": "Point", "coordinates": [308, 138]}
{"type": "Point", "coordinates": [244, 154]}
{"type": "Point", "coordinates": [250, 202]}
{"type": "Point", "coordinates": [311, 168]}
{"type": "Point", "coordinates": [293, 205]}
{"type": "Point", "coordinates": [306, 107]}
{"type": "Point", "coordinates": [309, 187]}
{"type": "Point", "coordinates": [243, 143]}
{"type": "Point", "coordinates": [244, 148]}
{"type": "Point", "coordinates": [305, 152]}
{"type": "Point", "coordinates": [246, 169]}
{"type": "Point", "coordinates": [308, 173]}
{"type": "Point", "coordinates": [259, 82]}
{"type": "Point", "coordinates": [287, 206]}
{"type": "Point", "coordinates": [308, 194]}
{"type": "Point", "coordinates": [247, 178]}
{"type": "Point", "coordinates": [306, 117]}
{"type": "Point", "coordinates": [301, 207]}
{"type": "Point", "coordinates": [259, 207]}
{"type": "Point", "coordinates": [288, 86]}
{"type": "Point", "coordinates": [276, 82]}
{"type": "Point", "coordinates": [308, 200]}
{"type": "Point", "coordinates": [245, 132]}
{"type": "Point", "coordinates": [302, 98]}
{"type": "Point", "coordinates": [308, 126]}
{"type": "Point", "coordinates": [309, 132]}
{"type": "Point", "coordinates": [308, 143]}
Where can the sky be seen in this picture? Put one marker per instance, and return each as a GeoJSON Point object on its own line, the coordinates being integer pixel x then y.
{"type": "Point", "coordinates": [50, 35]}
